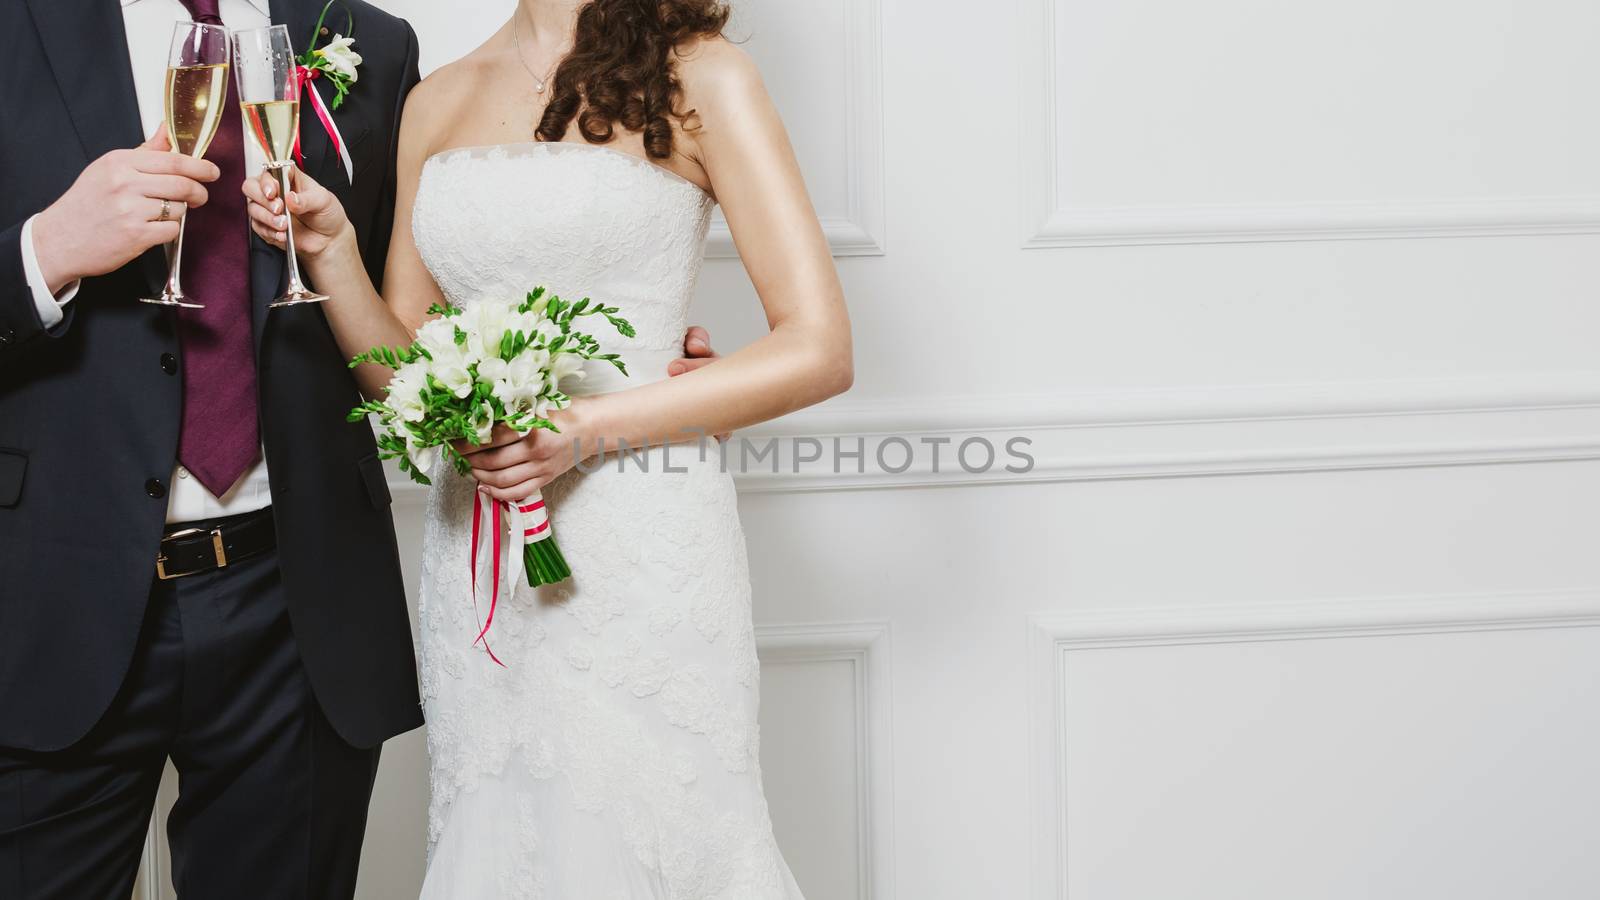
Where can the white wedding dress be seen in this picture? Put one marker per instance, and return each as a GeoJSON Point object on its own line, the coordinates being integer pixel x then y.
{"type": "Point", "coordinates": [614, 757]}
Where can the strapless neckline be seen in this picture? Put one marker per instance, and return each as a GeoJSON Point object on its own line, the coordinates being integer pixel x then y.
{"type": "Point", "coordinates": [583, 220]}
{"type": "Point", "coordinates": [559, 146]}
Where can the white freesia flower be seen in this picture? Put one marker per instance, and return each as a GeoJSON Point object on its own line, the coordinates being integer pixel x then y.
{"type": "Point", "coordinates": [518, 382]}
{"type": "Point", "coordinates": [438, 336]}
{"type": "Point", "coordinates": [338, 54]}
{"type": "Point", "coordinates": [405, 391]}
{"type": "Point", "coordinates": [423, 458]}
{"type": "Point", "coordinates": [487, 323]}
{"type": "Point", "coordinates": [565, 365]}
{"type": "Point", "coordinates": [536, 325]}
{"type": "Point", "coordinates": [452, 366]}
{"type": "Point", "coordinates": [485, 424]}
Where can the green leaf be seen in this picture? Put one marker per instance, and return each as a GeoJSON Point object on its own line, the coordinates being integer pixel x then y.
{"type": "Point", "coordinates": [623, 326]}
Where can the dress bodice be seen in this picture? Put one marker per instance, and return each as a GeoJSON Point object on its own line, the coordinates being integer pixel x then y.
{"type": "Point", "coordinates": [580, 219]}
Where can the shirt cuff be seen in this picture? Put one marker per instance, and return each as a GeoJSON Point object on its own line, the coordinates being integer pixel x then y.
{"type": "Point", "coordinates": [49, 305]}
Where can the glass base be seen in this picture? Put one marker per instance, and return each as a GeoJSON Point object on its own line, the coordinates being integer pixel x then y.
{"type": "Point", "coordinates": [168, 298]}
{"type": "Point", "coordinates": [295, 298]}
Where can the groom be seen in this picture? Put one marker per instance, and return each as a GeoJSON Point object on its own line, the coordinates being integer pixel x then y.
{"type": "Point", "coordinates": [197, 558]}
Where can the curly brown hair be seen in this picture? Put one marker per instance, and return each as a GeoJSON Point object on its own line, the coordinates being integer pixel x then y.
{"type": "Point", "coordinates": [621, 70]}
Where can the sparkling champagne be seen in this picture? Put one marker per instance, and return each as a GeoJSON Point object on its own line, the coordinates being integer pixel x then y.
{"type": "Point", "coordinates": [195, 98]}
{"type": "Point", "coordinates": [195, 95]}
{"type": "Point", "coordinates": [274, 124]}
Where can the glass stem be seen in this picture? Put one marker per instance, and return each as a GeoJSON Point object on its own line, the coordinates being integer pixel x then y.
{"type": "Point", "coordinates": [174, 287]}
{"type": "Point", "coordinates": [285, 174]}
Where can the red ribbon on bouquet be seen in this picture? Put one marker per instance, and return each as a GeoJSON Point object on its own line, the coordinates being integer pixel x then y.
{"type": "Point", "coordinates": [494, 591]}
{"type": "Point", "coordinates": [303, 76]}
{"type": "Point", "coordinates": [533, 530]}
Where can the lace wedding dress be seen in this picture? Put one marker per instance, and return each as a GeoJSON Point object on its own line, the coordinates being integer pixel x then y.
{"type": "Point", "coordinates": [615, 755]}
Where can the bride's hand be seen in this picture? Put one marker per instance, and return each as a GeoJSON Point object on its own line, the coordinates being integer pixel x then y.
{"type": "Point", "coordinates": [512, 466]}
{"type": "Point", "coordinates": [319, 218]}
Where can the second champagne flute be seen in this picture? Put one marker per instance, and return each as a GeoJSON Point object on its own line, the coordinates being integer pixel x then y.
{"type": "Point", "coordinates": [264, 66]}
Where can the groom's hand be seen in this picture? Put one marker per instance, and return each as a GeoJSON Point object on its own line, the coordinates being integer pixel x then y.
{"type": "Point", "coordinates": [113, 212]}
{"type": "Point", "coordinates": [697, 354]}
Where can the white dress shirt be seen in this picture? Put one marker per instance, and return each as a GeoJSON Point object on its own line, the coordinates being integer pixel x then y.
{"type": "Point", "coordinates": [149, 27]}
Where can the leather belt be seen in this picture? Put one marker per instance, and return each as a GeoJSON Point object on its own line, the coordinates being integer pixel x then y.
{"type": "Point", "coordinates": [205, 547]}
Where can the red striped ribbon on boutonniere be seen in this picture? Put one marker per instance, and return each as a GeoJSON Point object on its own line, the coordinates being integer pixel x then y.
{"type": "Point", "coordinates": [305, 76]}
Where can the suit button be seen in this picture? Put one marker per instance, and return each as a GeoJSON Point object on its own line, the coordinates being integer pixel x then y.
{"type": "Point", "coordinates": [169, 364]}
{"type": "Point", "coordinates": [6, 337]}
{"type": "Point", "coordinates": [155, 488]}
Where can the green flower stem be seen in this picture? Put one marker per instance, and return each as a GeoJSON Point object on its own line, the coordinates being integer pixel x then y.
{"type": "Point", "coordinates": [543, 562]}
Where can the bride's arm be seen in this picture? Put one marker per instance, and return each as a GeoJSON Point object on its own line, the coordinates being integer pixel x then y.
{"type": "Point", "coordinates": [804, 359]}
{"type": "Point", "coordinates": [325, 243]}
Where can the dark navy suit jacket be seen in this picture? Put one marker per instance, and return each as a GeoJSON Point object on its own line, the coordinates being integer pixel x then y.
{"type": "Point", "coordinates": [89, 415]}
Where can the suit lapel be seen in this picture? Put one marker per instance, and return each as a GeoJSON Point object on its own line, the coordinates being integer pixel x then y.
{"type": "Point", "coordinates": [88, 52]}
{"type": "Point", "coordinates": [87, 47]}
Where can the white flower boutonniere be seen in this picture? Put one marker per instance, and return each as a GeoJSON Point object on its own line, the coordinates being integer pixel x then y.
{"type": "Point", "coordinates": [337, 60]}
{"type": "Point", "coordinates": [340, 58]}
{"type": "Point", "coordinates": [334, 62]}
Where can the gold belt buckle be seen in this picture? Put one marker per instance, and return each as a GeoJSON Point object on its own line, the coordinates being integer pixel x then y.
{"type": "Point", "coordinates": [216, 547]}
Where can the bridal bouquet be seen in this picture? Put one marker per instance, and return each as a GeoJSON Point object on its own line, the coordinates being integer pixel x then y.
{"type": "Point", "coordinates": [472, 368]}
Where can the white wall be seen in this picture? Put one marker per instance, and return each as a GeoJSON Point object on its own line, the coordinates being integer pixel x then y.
{"type": "Point", "coordinates": [1297, 303]}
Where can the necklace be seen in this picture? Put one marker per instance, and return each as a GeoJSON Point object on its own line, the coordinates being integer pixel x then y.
{"type": "Point", "coordinates": [538, 83]}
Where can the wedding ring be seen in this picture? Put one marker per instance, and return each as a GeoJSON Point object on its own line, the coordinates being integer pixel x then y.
{"type": "Point", "coordinates": [166, 211]}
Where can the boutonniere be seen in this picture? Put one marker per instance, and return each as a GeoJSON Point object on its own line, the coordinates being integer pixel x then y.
{"type": "Point", "coordinates": [336, 62]}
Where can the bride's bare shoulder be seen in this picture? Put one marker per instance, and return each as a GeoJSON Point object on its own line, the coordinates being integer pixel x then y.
{"type": "Point", "coordinates": [432, 109]}
{"type": "Point", "coordinates": [720, 83]}
{"type": "Point", "coordinates": [716, 67]}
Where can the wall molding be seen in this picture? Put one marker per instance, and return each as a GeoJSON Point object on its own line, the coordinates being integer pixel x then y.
{"type": "Point", "coordinates": [1224, 430]}
{"type": "Point", "coordinates": [1199, 404]}
{"type": "Point", "coordinates": [1049, 220]}
{"type": "Point", "coordinates": [1190, 432]}
{"type": "Point", "coordinates": [865, 645]}
{"type": "Point", "coordinates": [1051, 635]}
{"type": "Point", "coordinates": [1067, 226]}
{"type": "Point", "coordinates": [860, 231]}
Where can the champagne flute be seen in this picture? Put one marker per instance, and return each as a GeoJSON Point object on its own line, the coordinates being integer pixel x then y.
{"type": "Point", "coordinates": [264, 66]}
{"type": "Point", "coordinates": [197, 87]}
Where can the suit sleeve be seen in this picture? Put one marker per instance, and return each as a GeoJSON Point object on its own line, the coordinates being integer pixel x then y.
{"type": "Point", "coordinates": [27, 309]}
{"type": "Point", "coordinates": [19, 316]}
{"type": "Point", "coordinates": [383, 225]}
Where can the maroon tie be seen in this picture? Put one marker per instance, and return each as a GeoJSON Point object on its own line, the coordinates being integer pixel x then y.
{"type": "Point", "coordinates": [220, 437]}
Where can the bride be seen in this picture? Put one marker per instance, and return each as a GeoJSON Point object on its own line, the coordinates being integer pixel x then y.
{"type": "Point", "coordinates": [583, 147]}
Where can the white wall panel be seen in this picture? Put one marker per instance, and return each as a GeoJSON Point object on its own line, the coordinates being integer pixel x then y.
{"type": "Point", "coordinates": [1163, 122]}
{"type": "Point", "coordinates": [808, 733]}
{"type": "Point", "coordinates": [1393, 748]}
{"type": "Point", "coordinates": [825, 745]}
{"type": "Point", "coordinates": [823, 66]}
